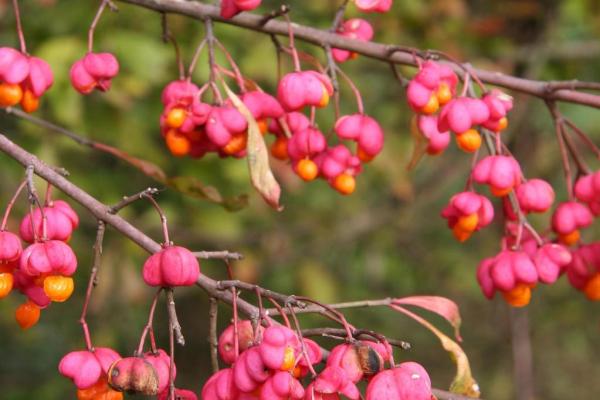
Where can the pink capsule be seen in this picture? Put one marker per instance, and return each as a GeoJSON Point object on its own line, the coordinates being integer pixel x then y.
{"type": "Point", "coordinates": [282, 386]}
{"type": "Point", "coordinates": [181, 91]}
{"type": "Point", "coordinates": [230, 8]}
{"type": "Point", "coordinates": [161, 362]}
{"type": "Point", "coordinates": [434, 85]}
{"type": "Point", "coordinates": [369, 6]}
{"type": "Point", "coordinates": [50, 257]}
{"type": "Point", "coordinates": [568, 218]}
{"type": "Point", "coordinates": [407, 381]}
{"type": "Point", "coordinates": [220, 386]}
{"type": "Point", "coordinates": [61, 221]}
{"type": "Point", "coordinates": [499, 104]}
{"type": "Point", "coordinates": [250, 371]}
{"type": "Point", "coordinates": [85, 368]}
{"type": "Point", "coordinates": [172, 266]}
{"type": "Point", "coordinates": [462, 114]}
{"type": "Point", "coordinates": [180, 394]}
{"type": "Point", "coordinates": [535, 195]}
{"type": "Point", "coordinates": [305, 88]}
{"type": "Point", "coordinates": [306, 143]}
{"type": "Point", "coordinates": [10, 249]}
{"type": "Point", "coordinates": [94, 71]}
{"type": "Point", "coordinates": [245, 340]}
{"type": "Point", "coordinates": [355, 28]}
{"type": "Point", "coordinates": [334, 380]}
{"type": "Point", "coordinates": [280, 348]}
{"type": "Point", "coordinates": [427, 126]}
{"type": "Point", "coordinates": [363, 129]}
{"type": "Point", "coordinates": [501, 173]}
{"type": "Point", "coordinates": [550, 260]}
{"type": "Point", "coordinates": [468, 212]}
{"type": "Point", "coordinates": [223, 123]}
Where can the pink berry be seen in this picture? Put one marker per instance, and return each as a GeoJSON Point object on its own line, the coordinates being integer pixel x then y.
{"type": "Point", "coordinates": [172, 266]}
{"type": "Point", "coordinates": [94, 71]}
{"type": "Point", "coordinates": [86, 367]}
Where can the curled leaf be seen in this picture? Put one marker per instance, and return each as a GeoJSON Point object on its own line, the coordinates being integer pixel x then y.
{"type": "Point", "coordinates": [419, 147]}
{"type": "Point", "coordinates": [442, 306]}
{"type": "Point", "coordinates": [185, 184]}
{"type": "Point", "coordinates": [463, 382]}
{"type": "Point", "coordinates": [258, 156]}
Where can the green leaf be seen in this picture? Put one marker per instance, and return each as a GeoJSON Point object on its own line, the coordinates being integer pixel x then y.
{"type": "Point", "coordinates": [185, 184]}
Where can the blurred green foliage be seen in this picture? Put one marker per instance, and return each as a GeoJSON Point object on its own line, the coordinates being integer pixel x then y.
{"type": "Point", "coordinates": [385, 240]}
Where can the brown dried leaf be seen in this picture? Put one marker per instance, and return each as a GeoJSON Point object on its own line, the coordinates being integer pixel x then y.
{"type": "Point", "coordinates": [258, 156]}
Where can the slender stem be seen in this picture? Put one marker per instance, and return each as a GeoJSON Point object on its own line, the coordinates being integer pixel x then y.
{"type": "Point", "coordinates": [212, 69]}
{"type": "Point", "coordinates": [98, 209]}
{"type": "Point", "coordinates": [292, 45]}
{"type": "Point", "coordinates": [173, 320]}
{"type": "Point", "coordinates": [359, 101]}
{"type": "Point", "coordinates": [163, 218]}
{"type": "Point", "coordinates": [148, 327]}
{"type": "Point", "coordinates": [213, 341]}
{"type": "Point", "coordinates": [127, 200]}
{"type": "Point", "coordinates": [94, 23]}
{"type": "Point", "coordinates": [522, 354]}
{"type": "Point", "coordinates": [34, 200]}
{"type": "Point", "coordinates": [11, 203]}
{"type": "Point", "coordinates": [195, 58]}
{"type": "Point", "coordinates": [339, 16]}
{"type": "Point", "coordinates": [556, 115]}
{"type": "Point", "coordinates": [582, 168]}
{"type": "Point", "coordinates": [236, 70]}
{"type": "Point", "coordinates": [96, 261]}
{"type": "Point", "coordinates": [280, 311]}
{"type": "Point", "coordinates": [583, 137]}
{"type": "Point", "coordinates": [167, 36]}
{"type": "Point", "coordinates": [171, 361]}
{"type": "Point", "coordinates": [19, 26]}
{"type": "Point", "coordinates": [358, 334]}
{"type": "Point", "coordinates": [302, 343]}
{"type": "Point", "coordinates": [374, 50]}
{"type": "Point", "coordinates": [223, 255]}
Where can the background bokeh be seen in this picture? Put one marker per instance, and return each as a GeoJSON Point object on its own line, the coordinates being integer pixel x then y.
{"type": "Point", "coordinates": [384, 240]}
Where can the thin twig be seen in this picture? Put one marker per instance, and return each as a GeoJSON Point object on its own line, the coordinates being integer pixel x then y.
{"type": "Point", "coordinates": [212, 339]}
{"type": "Point", "coordinates": [93, 281]}
{"type": "Point", "coordinates": [174, 321]}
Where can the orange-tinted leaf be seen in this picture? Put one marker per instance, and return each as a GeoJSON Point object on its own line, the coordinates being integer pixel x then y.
{"type": "Point", "coordinates": [463, 382]}
{"type": "Point", "coordinates": [442, 306]}
{"type": "Point", "coordinates": [258, 156]}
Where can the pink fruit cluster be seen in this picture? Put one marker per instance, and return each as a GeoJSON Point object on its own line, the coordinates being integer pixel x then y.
{"type": "Point", "coordinates": [432, 96]}
{"type": "Point", "coordinates": [191, 127]}
{"type": "Point", "coordinates": [514, 273]}
{"type": "Point", "coordinates": [272, 363]}
{"type": "Point", "coordinates": [87, 368]}
{"type": "Point", "coordinates": [23, 79]}
{"type": "Point", "coordinates": [43, 270]}
{"type": "Point", "coordinates": [94, 71]}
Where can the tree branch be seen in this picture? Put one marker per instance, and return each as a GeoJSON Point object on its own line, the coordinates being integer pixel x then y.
{"type": "Point", "coordinates": [102, 213]}
{"type": "Point", "coordinates": [555, 90]}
